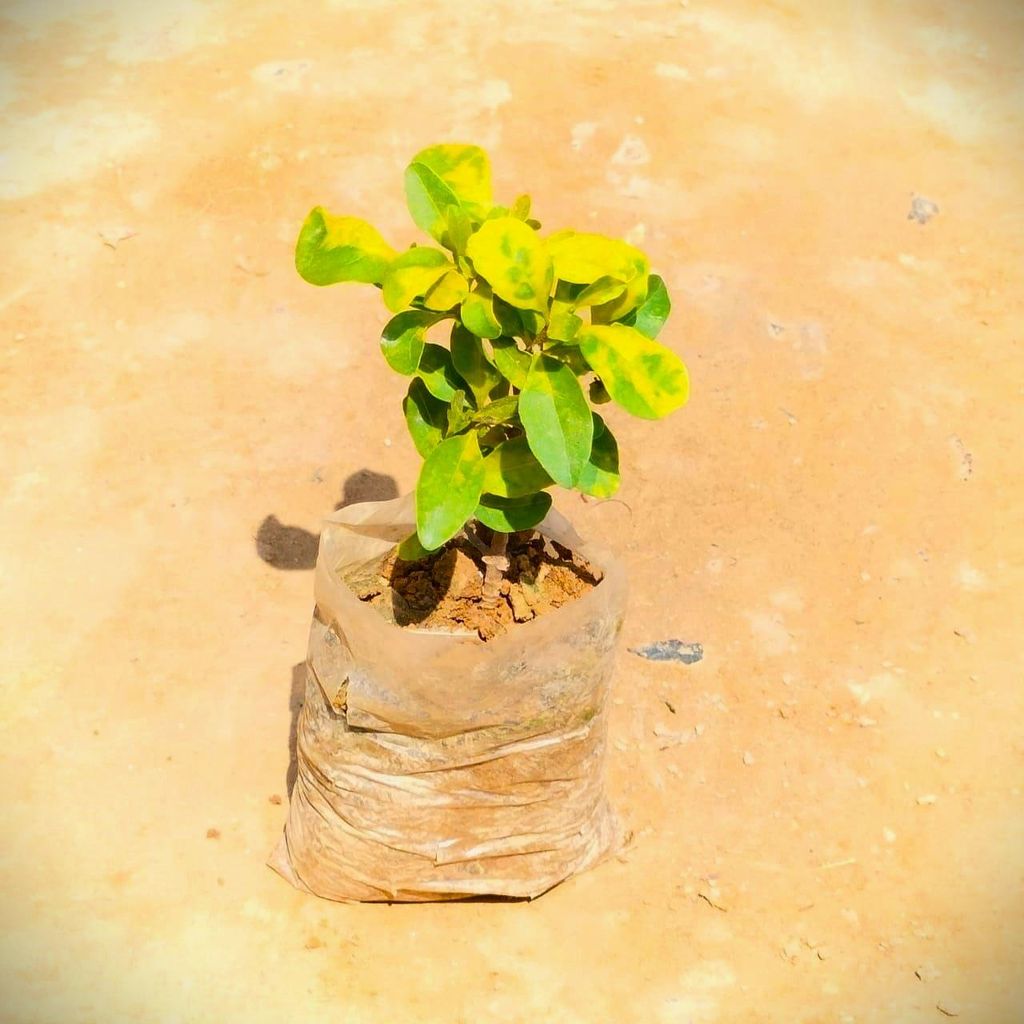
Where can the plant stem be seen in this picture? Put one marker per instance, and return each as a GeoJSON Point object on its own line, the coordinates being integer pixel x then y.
{"type": "Point", "coordinates": [497, 564]}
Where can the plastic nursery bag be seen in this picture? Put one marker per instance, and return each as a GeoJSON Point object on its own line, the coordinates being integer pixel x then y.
{"type": "Point", "coordinates": [436, 766]}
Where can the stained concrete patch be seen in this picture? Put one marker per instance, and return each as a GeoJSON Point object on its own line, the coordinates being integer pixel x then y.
{"type": "Point", "coordinates": [770, 634]}
{"type": "Point", "coordinates": [283, 75]}
{"type": "Point", "coordinates": [674, 71]}
{"type": "Point", "coordinates": [582, 133]}
{"type": "Point", "coordinates": [67, 143]}
{"type": "Point", "coordinates": [632, 152]}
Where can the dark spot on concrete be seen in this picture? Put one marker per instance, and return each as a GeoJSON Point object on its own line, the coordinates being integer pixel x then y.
{"type": "Point", "coordinates": [670, 650]}
{"type": "Point", "coordinates": [922, 210]}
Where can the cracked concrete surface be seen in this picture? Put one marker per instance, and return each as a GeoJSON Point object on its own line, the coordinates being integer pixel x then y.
{"type": "Point", "coordinates": [835, 833]}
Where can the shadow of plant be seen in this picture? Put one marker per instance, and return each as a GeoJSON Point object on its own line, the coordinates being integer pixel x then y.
{"type": "Point", "coordinates": [292, 547]}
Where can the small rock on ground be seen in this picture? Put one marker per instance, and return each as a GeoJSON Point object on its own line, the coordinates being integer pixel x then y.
{"type": "Point", "coordinates": [670, 650]}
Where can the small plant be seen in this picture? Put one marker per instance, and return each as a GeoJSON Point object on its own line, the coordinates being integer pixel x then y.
{"type": "Point", "coordinates": [539, 329]}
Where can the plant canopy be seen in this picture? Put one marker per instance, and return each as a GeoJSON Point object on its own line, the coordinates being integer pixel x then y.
{"type": "Point", "coordinates": [537, 330]}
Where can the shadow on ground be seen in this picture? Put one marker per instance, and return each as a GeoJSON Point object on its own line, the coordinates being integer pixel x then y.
{"type": "Point", "coordinates": [292, 547]}
{"type": "Point", "coordinates": [296, 698]}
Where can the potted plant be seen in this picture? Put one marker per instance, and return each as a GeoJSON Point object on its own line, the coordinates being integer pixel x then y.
{"type": "Point", "coordinates": [452, 741]}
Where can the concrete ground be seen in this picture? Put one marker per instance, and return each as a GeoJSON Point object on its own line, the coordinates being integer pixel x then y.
{"type": "Point", "coordinates": [827, 810]}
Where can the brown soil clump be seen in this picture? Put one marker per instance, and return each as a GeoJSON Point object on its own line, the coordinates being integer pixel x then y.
{"type": "Point", "coordinates": [444, 591]}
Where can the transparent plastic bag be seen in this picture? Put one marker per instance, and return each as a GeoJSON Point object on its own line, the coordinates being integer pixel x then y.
{"type": "Point", "coordinates": [435, 766]}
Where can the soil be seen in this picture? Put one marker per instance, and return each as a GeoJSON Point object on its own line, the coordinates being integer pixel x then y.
{"type": "Point", "coordinates": [445, 590]}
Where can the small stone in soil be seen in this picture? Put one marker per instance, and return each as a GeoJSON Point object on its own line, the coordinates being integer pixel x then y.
{"type": "Point", "coordinates": [670, 650]}
{"type": "Point", "coordinates": [521, 610]}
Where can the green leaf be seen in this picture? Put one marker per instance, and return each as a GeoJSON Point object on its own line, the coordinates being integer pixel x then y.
{"type": "Point", "coordinates": [600, 476]}
{"type": "Point", "coordinates": [532, 321]}
{"type": "Point", "coordinates": [633, 296]}
{"type": "Point", "coordinates": [571, 356]}
{"type": "Point", "coordinates": [512, 362]}
{"type": "Point", "coordinates": [509, 515]}
{"type": "Point", "coordinates": [501, 389]}
{"type": "Point", "coordinates": [449, 488]}
{"type": "Point", "coordinates": [563, 323]}
{"type": "Point", "coordinates": [460, 413]}
{"type": "Point", "coordinates": [402, 341]}
{"type": "Point", "coordinates": [583, 257]}
{"type": "Point", "coordinates": [557, 419]}
{"type": "Point", "coordinates": [330, 249]}
{"type": "Point", "coordinates": [491, 437]}
{"type": "Point", "coordinates": [437, 373]}
{"type": "Point", "coordinates": [464, 170]}
{"type": "Point", "coordinates": [411, 550]}
{"type": "Point", "coordinates": [604, 289]}
{"type": "Point", "coordinates": [449, 291]}
{"type": "Point", "coordinates": [425, 416]}
{"type": "Point", "coordinates": [521, 208]}
{"type": "Point", "coordinates": [428, 199]}
{"type": "Point", "coordinates": [411, 275]}
{"type": "Point", "coordinates": [501, 411]}
{"type": "Point", "coordinates": [512, 470]}
{"type": "Point", "coordinates": [641, 375]}
{"type": "Point", "coordinates": [512, 259]}
{"type": "Point", "coordinates": [460, 227]}
{"type": "Point", "coordinates": [651, 315]}
{"type": "Point", "coordinates": [472, 364]}
{"type": "Point", "coordinates": [478, 314]}
{"type": "Point", "coordinates": [508, 317]}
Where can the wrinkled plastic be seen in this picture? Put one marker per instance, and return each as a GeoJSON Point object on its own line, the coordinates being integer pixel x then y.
{"type": "Point", "coordinates": [435, 766]}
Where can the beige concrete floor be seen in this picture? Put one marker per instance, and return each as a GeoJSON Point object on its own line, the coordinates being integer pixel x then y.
{"type": "Point", "coordinates": [833, 831]}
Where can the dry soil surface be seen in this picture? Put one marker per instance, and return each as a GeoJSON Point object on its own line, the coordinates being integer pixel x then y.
{"type": "Point", "coordinates": [827, 809]}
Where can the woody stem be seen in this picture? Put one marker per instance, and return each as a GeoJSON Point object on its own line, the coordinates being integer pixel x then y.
{"type": "Point", "coordinates": [496, 561]}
